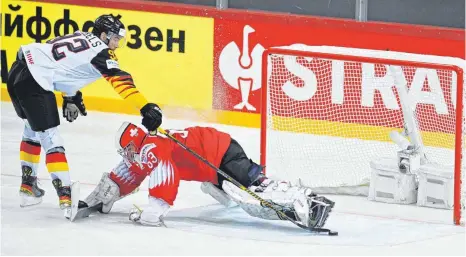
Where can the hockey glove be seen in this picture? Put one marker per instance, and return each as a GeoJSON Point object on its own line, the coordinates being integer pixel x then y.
{"type": "Point", "coordinates": [151, 116]}
{"type": "Point", "coordinates": [72, 105]}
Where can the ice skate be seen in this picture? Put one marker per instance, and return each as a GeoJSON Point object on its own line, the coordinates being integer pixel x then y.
{"type": "Point", "coordinates": [64, 197]}
{"type": "Point", "coordinates": [29, 191]}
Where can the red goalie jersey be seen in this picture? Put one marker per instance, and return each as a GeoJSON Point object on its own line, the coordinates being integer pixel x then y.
{"type": "Point", "coordinates": [166, 162]}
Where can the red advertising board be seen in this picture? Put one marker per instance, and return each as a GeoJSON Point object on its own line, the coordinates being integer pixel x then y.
{"type": "Point", "coordinates": [239, 45]}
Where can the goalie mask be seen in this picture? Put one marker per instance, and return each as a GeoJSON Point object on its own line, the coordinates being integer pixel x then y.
{"type": "Point", "coordinates": [112, 27]}
{"type": "Point", "coordinates": [129, 139]}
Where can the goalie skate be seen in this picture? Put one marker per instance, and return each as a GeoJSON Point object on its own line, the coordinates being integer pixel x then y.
{"type": "Point", "coordinates": [320, 210]}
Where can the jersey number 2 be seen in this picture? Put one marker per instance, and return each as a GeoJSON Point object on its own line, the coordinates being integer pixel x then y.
{"type": "Point", "coordinates": [78, 45]}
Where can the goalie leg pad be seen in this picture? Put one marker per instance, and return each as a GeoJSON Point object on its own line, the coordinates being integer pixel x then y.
{"type": "Point", "coordinates": [106, 192]}
{"type": "Point", "coordinates": [298, 203]}
{"type": "Point", "coordinates": [217, 194]}
{"type": "Point", "coordinates": [248, 203]}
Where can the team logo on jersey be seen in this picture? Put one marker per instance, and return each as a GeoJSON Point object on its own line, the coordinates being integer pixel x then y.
{"type": "Point", "coordinates": [144, 150]}
{"type": "Point", "coordinates": [112, 64]}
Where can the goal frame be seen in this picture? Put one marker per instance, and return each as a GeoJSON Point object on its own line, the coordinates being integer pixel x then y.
{"type": "Point", "coordinates": [374, 60]}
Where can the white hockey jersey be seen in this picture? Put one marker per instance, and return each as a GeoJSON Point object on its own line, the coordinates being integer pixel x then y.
{"type": "Point", "coordinates": [68, 63]}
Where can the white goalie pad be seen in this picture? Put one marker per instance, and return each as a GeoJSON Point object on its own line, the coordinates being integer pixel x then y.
{"type": "Point", "coordinates": [106, 192]}
{"type": "Point", "coordinates": [291, 198]}
{"type": "Point", "coordinates": [217, 194]}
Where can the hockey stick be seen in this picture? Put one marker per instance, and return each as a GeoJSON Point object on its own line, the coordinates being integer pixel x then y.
{"type": "Point", "coordinates": [239, 185]}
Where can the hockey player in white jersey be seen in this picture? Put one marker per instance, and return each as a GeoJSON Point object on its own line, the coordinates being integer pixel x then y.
{"type": "Point", "coordinates": [66, 64]}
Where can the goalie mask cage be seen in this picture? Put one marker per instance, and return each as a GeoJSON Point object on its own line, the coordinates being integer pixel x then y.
{"type": "Point", "coordinates": [326, 112]}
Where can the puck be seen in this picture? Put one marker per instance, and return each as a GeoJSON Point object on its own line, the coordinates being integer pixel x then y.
{"type": "Point", "coordinates": [333, 233]}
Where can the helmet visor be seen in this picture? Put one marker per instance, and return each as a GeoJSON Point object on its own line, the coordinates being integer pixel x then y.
{"type": "Point", "coordinates": [118, 39]}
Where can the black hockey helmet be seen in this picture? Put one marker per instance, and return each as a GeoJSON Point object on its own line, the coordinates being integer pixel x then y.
{"type": "Point", "coordinates": [111, 25]}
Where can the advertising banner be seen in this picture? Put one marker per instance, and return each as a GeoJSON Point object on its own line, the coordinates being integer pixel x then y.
{"type": "Point", "coordinates": [169, 56]}
{"type": "Point", "coordinates": [239, 46]}
{"type": "Point", "coordinates": [208, 61]}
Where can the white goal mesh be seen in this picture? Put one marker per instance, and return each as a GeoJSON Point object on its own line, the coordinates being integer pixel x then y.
{"type": "Point", "coordinates": [325, 118]}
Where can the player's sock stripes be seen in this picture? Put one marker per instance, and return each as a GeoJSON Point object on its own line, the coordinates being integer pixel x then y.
{"type": "Point", "coordinates": [29, 151]}
{"type": "Point", "coordinates": [56, 162]}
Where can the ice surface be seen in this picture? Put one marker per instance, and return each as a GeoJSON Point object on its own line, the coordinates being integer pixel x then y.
{"type": "Point", "coordinates": [197, 225]}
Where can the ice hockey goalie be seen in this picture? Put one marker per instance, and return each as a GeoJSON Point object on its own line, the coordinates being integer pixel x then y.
{"type": "Point", "coordinates": [166, 163]}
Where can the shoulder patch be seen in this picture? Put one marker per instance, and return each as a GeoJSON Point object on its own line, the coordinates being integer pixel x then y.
{"type": "Point", "coordinates": [144, 150]}
{"type": "Point", "coordinates": [112, 64]}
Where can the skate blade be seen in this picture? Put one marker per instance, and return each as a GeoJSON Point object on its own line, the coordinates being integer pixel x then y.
{"type": "Point", "coordinates": [67, 212]}
{"type": "Point", "coordinates": [27, 200]}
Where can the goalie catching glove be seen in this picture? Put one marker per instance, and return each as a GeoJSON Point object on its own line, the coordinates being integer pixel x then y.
{"type": "Point", "coordinates": [298, 203]}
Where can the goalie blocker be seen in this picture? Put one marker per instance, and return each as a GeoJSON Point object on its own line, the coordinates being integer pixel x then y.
{"type": "Point", "coordinates": [166, 163]}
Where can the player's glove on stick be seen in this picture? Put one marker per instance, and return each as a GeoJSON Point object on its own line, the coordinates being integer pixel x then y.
{"type": "Point", "coordinates": [151, 116]}
{"type": "Point", "coordinates": [72, 106]}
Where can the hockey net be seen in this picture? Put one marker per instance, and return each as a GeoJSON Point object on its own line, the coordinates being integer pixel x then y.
{"type": "Point", "coordinates": [328, 111]}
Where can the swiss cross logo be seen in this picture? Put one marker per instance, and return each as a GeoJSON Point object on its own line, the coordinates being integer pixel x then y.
{"type": "Point", "coordinates": [133, 132]}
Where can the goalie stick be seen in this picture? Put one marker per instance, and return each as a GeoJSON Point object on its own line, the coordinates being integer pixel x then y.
{"type": "Point", "coordinates": [239, 185]}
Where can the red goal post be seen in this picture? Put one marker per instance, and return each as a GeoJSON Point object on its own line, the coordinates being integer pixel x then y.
{"type": "Point", "coordinates": [269, 70]}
